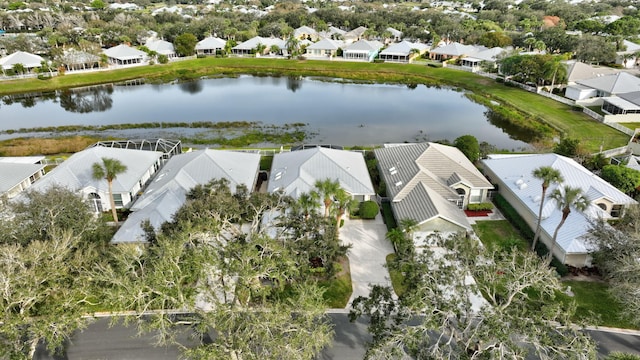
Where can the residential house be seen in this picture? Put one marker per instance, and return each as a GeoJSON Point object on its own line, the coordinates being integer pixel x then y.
{"type": "Point", "coordinates": [249, 47]}
{"type": "Point", "coordinates": [577, 71]}
{"type": "Point", "coordinates": [512, 175]}
{"type": "Point", "coordinates": [475, 60]}
{"type": "Point", "coordinates": [431, 184]}
{"type": "Point", "coordinates": [297, 172]}
{"type": "Point", "coordinates": [403, 51]}
{"type": "Point", "coordinates": [210, 46]}
{"type": "Point", "coordinates": [18, 174]}
{"type": "Point", "coordinates": [396, 35]}
{"type": "Point", "coordinates": [454, 50]}
{"type": "Point", "coordinates": [325, 48]}
{"type": "Point", "coordinates": [125, 55]}
{"type": "Point", "coordinates": [354, 35]}
{"type": "Point", "coordinates": [27, 60]}
{"type": "Point", "coordinates": [333, 33]}
{"type": "Point", "coordinates": [306, 33]}
{"type": "Point", "coordinates": [603, 86]}
{"type": "Point", "coordinates": [162, 47]}
{"type": "Point", "coordinates": [628, 57]}
{"type": "Point", "coordinates": [73, 59]}
{"type": "Point", "coordinates": [362, 50]}
{"type": "Point", "coordinates": [623, 104]}
{"type": "Point", "coordinates": [76, 173]}
{"type": "Point", "coordinates": [168, 190]}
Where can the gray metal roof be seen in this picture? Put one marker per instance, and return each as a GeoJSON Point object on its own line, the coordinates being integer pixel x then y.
{"type": "Point", "coordinates": [73, 57]}
{"type": "Point", "coordinates": [167, 192]}
{"type": "Point", "coordinates": [632, 97]}
{"type": "Point", "coordinates": [581, 71]}
{"type": "Point", "coordinates": [405, 167]}
{"type": "Point", "coordinates": [423, 204]}
{"type": "Point", "coordinates": [20, 57]}
{"type": "Point", "coordinates": [515, 172]}
{"type": "Point", "coordinates": [304, 30]}
{"type": "Point", "coordinates": [403, 48]}
{"type": "Point", "coordinates": [457, 49]}
{"type": "Point", "coordinates": [619, 83]}
{"type": "Point", "coordinates": [364, 45]}
{"type": "Point", "coordinates": [162, 47]}
{"type": "Point", "coordinates": [623, 103]}
{"type": "Point", "coordinates": [296, 172]}
{"type": "Point", "coordinates": [326, 44]}
{"type": "Point", "coordinates": [253, 42]}
{"type": "Point", "coordinates": [76, 173]}
{"type": "Point", "coordinates": [12, 174]}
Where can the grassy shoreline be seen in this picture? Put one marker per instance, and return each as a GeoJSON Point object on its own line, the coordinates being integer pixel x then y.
{"type": "Point", "coordinates": [538, 114]}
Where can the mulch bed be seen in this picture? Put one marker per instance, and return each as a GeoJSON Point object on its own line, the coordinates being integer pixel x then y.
{"type": "Point", "coordinates": [471, 213]}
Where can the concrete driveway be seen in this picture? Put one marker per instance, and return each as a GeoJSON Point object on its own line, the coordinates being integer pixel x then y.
{"type": "Point", "coordinates": [367, 256]}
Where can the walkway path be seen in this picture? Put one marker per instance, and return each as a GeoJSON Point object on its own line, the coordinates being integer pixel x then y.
{"type": "Point", "coordinates": [367, 257]}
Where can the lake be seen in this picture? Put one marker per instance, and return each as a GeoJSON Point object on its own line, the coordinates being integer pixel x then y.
{"type": "Point", "coordinates": [340, 113]}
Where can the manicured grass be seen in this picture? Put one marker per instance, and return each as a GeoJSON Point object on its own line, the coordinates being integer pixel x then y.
{"type": "Point", "coordinates": [396, 276]}
{"type": "Point", "coordinates": [631, 125]}
{"type": "Point", "coordinates": [499, 234]}
{"type": "Point", "coordinates": [595, 305]}
{"type": "Point", "coordinates": [561, 117]}
{"type": "Point", "coordinates": [339, 289]}
{"type": "Point", "coordinates": [265, 162]}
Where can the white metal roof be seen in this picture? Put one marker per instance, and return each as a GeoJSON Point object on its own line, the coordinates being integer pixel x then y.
{"type": "Point", "coordinates": [22, 159]}
{"type": "Point", "coordinates": [457, 49]}
{"type": "Point", "coordinates": [124, 52]}
{"type": "Point", "coordinates": [619, 83]}
{"type": "Point", "coordinates": [167, 192]}
{"type": "Point", "coordinates": [296, 172]}
{"type": "Point", "coordinates": [621, 103]}
{"type": "Point", "coordinates": [76, 173]}
{"type": "Point", "coordinates": [515, 172]}
{"type": "Point", "coordinates": [20, 57]}
{"type": "Point", "coordinates": [162, 47]}
{"type": "Point", "coordinates": [253, 42]}
{"type": "Point", "coordinates": [211, 43]}
{"type": "Point", "coordinates": [364, 45]}
{"type": "Point", "coordinates": [326, 44]}
{"type": "Point", "coordinates": [403, 48]}
{"type": "Point", "coordinates": [12, 174]}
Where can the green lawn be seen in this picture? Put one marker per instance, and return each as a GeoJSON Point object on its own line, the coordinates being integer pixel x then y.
{"type": "Point", "coordinates": [595, 305]}
{"type": "Point", "coordinates": [570, 123]}
{"type": "Point", "coordinates": [339, 289]}
{"type": "Point", "coordinates": [499, 234]}
{"type": "Point", "coordinates": [396, 276]}
{"type": "Point", "coordinates": [631, 125]}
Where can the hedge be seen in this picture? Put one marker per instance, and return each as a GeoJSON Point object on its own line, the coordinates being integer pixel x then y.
{"type": "Point", "coordinates": [485, 206]}
{"type": "Point", "coordinates": [518, 222]}
{"type": "Point", "coordinates": [368, 209]}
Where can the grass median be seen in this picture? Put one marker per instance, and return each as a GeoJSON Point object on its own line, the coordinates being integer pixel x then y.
{"type": "Point", "coordinates": [562, 118]}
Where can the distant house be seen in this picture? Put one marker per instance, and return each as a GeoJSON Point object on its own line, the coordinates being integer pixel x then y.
{"type": "Point", "coordinates": [325, 48]}
{"type": "Point", "coordinates": [18, 174]}
{"type": "Point", "coordinates": [603, 86]}
{"type": "Point", "coordinates": [484, 56]}
{"type": "Point", "coordinates": [396, 35]}
{"type": "Point", "coordinates": [306, 33]}
{"type": "Point", "coordinates": [403, 51]}
{"type": "Point", "coordinates": [333, 33]}
{"type": "Point", "coordinates": [623, 104]}
{"type": "Point", "coordinates": [162, 47]}
{"type": "Point", "coordinates": [125, 55]}
{"type": "Point", "coordinates": [577, 71]}
{"type": "Point", "coordinates": [210, 46]}
{"type": "Point", "coordinates": [73, 59]}
{"type": "Point", "coordinates": [167, 191]}
{"type": "Point", "coordinates": [355, 34]}
{"type": "Point", "coordinates": [28, 60]}
{"type": "Point", "coordinates": [454, 50]}
{"type": "Point", "coordinates": [628, 57]}
{"type": "Point", "coordinates": [512, 174]}
{"type": "Point", "coordinates": [431, 184]}
{"type": "Point", "coordinates": [296, 172]}
{"type": "Point", "coordinates": [249, 47]}
{"type": "Point", "coordinates": [362, 50]}
{"type": "Point", "coordinates": [76, 174]}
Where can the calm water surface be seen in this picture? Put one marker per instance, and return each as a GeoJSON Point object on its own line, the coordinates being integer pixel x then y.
{"type": "Point", "coordinates": [338, 113]}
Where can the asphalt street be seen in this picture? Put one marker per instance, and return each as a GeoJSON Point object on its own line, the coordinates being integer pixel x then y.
{"type": "Point", "coordinates": [100, 341]}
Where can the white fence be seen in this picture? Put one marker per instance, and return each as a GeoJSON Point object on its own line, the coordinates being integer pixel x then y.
{"type": "Point", "coordinates": [557, 98]}
{"type": "Point", "coordinates": [613, 152]}
{"type": "Point", "coordinates": [619, 127]}
{"type": "Point", "coordinates": [593, 114]}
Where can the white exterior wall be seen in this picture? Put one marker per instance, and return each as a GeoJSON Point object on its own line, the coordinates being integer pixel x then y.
{"type": "Point", "coordinates": [622, 118]}
{"type": "Point", "coordinates": [579, 94]}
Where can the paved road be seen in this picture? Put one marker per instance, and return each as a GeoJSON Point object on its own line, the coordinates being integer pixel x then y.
{"type": "Point", "coordinates": [101, 342]}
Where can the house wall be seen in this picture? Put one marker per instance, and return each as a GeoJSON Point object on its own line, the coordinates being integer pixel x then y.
{"type": "Point", "coordinates": [440, 224]}
{"type": "Point", "coordinates": [579, 94]}
{"type": "Point", "coordinates": [622, 118]}
{"type": "Point", "coordinates": [24, 184]}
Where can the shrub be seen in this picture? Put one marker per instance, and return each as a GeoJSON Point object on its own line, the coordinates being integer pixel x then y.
{"type": "Point", "coordinates": [514, 218]}
{"type": "Point", "coordinates": [368, 209]}
{"type": "Point", "coordinates": [480, 207]}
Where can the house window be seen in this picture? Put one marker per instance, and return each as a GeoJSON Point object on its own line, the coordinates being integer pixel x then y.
{"type": "Point", "coordinates": [602, 206]}
{"type": "Point", "coordinates": [616, 211]}
{"type": "Point", "coordinates": [475, 196]}
{"type": "Point", "coordinates": [95, 202]}
{"type": "Point", "coordinates": [117, 199]}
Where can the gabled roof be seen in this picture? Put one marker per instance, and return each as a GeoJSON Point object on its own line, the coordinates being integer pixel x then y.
{"type": "Point", "coordinates": [73, 57]}
{"type": "Point", "coordinates": [296, 172]}
{"type": "Point", "coordinates": [304, 30]}
{"type": "Point", "coordinates": [581, 71]}
{"type": "Point", "coordinates": [624, 104]}
{"type": "Point", "coordinates": [326, 44]}
{"type": "Point", "coordinates": [332, 30]}
{"type": "Point", "coordinates": [124, 52]}
{"type": "Point", "coordinates": [12, 174]}
{"type": "Point", "coordinates": [407, 168]}
{"type": "Point", "coordinates": [515, 171]}
{"type": "Point", "coordinates": [457, 49]}
{"type": "Point", "coordinates": [403, 48]}
{"type": "Point", "coordinates": [395, 32]}
{"type": "Point", "coordinates": [364, 45]}
{"type": "Point", "coordinates": [619, 83]}
{"type": "Point", "coordinates": [253, 42]}
{"type": "Point", "coordinates": [76, 173]}
{"type": "Point", "coordinates": [487, 54]}
{"type": "Point", "coordinates": [167, 192]}
{"type": "Point", "coordinates": [20, 57]}
{"type": "Point", "coordinates": [632, 97]}
{"type": "Point", "coordinates": [211, 43]}
{"type": "Point", "coordinates": [356, 33]}
{"type": "Point", "coordinates": [631, 47]}
{"type": "Point", "coordinates": [161, 47]}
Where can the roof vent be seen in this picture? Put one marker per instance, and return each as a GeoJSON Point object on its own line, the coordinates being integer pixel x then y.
{"type": "Point", "coordinates": [537, 199]}
{"type": "Point", "coordinates": [278, 176]}
{"type": "Point", "coordinates": [519, 182]}
{"type": "Point", "coordinates": [398, 183]}
{"type": "Point", "coordinates": [522, 186]}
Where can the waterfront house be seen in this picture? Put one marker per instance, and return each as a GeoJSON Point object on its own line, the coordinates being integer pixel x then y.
{"type": "Point", "coordinates": [125, 55]}
{"type": "Point", "coordinates": [210, 46]}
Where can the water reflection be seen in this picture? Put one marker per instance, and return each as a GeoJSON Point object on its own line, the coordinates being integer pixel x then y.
{"type": "Point", "coordinates": [86, 100]}
{"type": "Point", "coordinates": [515, 132]}
{"type": "Point", "coordinates": [294, 83]}
{"type": "Point", "coordinates": [191, 87]}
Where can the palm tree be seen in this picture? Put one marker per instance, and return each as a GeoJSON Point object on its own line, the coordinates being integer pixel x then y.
{"type": "Point", "coordinates": [549, 176]}
{"type": "Point", "coordinates": [109, 170]}
{"type": "Point", "coordinates": [343, 203]}
{"type": "Point", "coordinates": [260, 48]}
{"type": "Point", "coordinates": [326, 190]}
{"type": "Point", "coordinates": [566, 198]}
{"type": "Point", "coordinates": [293, 45]}
{"type": "Point", "coordinates": [307, 203]}
{"type": "Point", "coordinates": [18, 68]}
